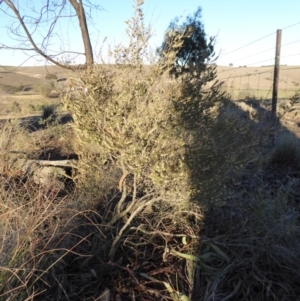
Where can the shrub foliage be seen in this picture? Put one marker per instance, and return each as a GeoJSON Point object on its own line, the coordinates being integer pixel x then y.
{"type": "Point", "coordinates": [188, 45]}
{"type": "Point", "coordinates": [136, 119]}
{"type": "Point", "coordinates": [156, 139]}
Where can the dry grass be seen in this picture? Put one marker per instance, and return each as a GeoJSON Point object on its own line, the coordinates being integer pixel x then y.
{"type": "Point", "coordinates": [28, 87]}
{"type": "Point", "coordinates": [58, 246]}
{"type": "Point", "coordinates": [179, 193]}
{"type": "Point", "coordinates": [258, 228]}
{"type": "Point", "coordinates": [29, 217]}
{"type": "Point", "coordinates": [236, 82]}
{"type": "Point", "coordinates": [258, 81]}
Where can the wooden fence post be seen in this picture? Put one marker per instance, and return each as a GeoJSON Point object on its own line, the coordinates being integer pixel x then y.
{"type": "Point", "coordinates": [276, 74]}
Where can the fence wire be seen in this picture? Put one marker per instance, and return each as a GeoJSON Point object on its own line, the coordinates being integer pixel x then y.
{"type": "Point", "coordinates": [252, 81]}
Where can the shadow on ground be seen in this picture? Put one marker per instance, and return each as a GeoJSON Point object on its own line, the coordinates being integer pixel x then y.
{"type": "Point", "coordinates": [33, 123]}
{"type": "Point", "coordinates": [250, 200]}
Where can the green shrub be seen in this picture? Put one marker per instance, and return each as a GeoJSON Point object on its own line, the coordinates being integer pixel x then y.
{"type": "Point", "coordinates": [126, 123]}
{"type": "Point", "coordinates": [186, 49]}
{"type": "Point", "coordinates": [48, 112]}
{"type": "Point", "coordinates": [154, 138]}
{"type": "Point", "coordinates": [136, 120]}
{"type": "Point", "coordinates": [48, 115]}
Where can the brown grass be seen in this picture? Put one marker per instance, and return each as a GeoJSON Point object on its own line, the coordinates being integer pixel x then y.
{"type": "Point", "coordinates": [34, 92]}
{"type": "Point", "coordinates": [238, 239]}
{"type": "Point", "coordinates": [258, 81]}
{"type": "Point", "coordinates": [56, 246]}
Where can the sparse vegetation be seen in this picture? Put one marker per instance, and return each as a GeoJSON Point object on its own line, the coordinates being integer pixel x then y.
{"type": "Point", "coordinates": [31, 107]}
{"type": "Point", "coordinates": [10, 89]}
{"type": "Point", "coordinates": [46, 89]}
{"type": "Point", "coordinates": [16, 108]}
{"type": "Point", "coordinates": [48, 115]}
{"type": "Point", "coordinates": [50, 76]}
{"type": "Point", "coordinates": [40, 107]}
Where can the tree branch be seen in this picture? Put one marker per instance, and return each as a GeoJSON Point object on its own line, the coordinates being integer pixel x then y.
{"type": "Point", "coordinates": [55, 11]}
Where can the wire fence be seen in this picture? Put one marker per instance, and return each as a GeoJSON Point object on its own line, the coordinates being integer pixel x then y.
{"type": "Point", "coordinates": [252, 75]}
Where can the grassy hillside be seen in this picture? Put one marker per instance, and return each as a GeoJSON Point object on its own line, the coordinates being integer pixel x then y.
{"type": "Point", "coordinates": [24, 90]}
{"type": "Point", "coordinates": [21, 89]}
{"type": "Point", "coordinates": [258, 81]}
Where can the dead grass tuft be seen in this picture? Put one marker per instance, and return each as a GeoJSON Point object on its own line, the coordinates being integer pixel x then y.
{"type": "Point", "coordinates": [258, 229]}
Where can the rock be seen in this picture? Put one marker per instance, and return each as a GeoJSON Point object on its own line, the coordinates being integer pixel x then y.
{"type": "Point", "coordinates": [49, 175]}
{"type": "Point", "coordinates": [47, 172]}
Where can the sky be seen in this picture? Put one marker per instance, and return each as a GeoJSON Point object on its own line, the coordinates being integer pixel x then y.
{"type": "Point", "coordinates": [235, 23]}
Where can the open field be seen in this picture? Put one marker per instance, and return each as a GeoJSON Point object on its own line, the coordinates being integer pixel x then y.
{"type": "Point", "coordinates": [258, 81]}
{"type": "Point", "coordinates": [254, 81]}
{"type": "Point", "coordinates": [19, 95]}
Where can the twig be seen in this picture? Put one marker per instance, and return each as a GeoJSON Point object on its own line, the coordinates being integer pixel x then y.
{"type": "Point", "coordinates": [132, 216]}
{"type": "Point", "coordinates": [162, 233]}
{"type": "Point", "coordinates": [125, 269]}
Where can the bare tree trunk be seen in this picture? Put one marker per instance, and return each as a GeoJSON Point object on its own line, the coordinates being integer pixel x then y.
{"type": "Point", "coordinates": [78, 6]}
{"type": "Point", "coordinates": [80, 12]}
